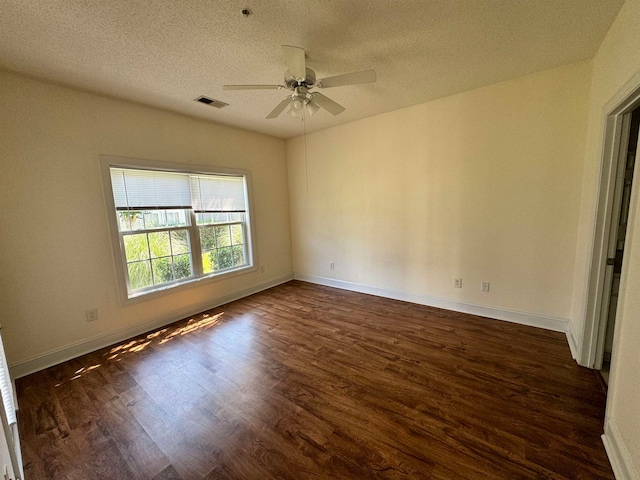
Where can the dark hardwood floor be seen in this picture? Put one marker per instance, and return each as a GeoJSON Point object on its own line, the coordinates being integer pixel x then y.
{"type": "Point", "coordinates": [303, 382]}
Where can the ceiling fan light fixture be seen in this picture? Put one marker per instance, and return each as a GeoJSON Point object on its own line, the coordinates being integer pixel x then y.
{"type": "Point", "coordinates": [295, 112]}
{"type": "Point", "coordinates": [312, 107]}
{"type": "Point", "coordinates": [297, 106]}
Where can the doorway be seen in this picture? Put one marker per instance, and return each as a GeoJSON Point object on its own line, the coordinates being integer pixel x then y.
{"type": "Point", "coordinates": [615, 193]}
{"type": "Point", "coordinates": [619, 219]}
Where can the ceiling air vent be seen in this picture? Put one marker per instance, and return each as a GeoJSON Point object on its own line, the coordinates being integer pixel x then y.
{"type": "Point", "coordinates": [211, 102]}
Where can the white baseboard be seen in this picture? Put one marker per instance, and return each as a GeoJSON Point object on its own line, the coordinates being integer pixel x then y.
{"type": "Point", "coordinates": [77, 349]}
{"type": "Point", "coordinates": [74, 350]}
{"type": "Point", "coordinates": [548, 323]}
{"type": "Point", "coordinates": [571, 340]}
{"type": "Point", "coordinates": [617, 452]}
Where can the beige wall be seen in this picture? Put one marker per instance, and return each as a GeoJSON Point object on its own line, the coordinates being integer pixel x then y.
{"type": "Point", "coordinates": [615, 64]}
{"type": "Point", "coordinates": [483, 185]}
{"type": "Point", "coordinates": [55, 257]}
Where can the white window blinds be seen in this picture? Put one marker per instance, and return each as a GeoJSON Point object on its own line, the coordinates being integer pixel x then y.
{"type": "Point", "coordinates": [217, 193]}
{"type": "Point", "coordinates": [9, 433]}
{"type": "Point", "coordinates": [6, 387]}
{"type": "Point", "coordinates": [150, 189]}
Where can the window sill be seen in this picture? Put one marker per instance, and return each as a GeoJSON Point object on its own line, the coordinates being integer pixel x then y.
{"type": "Point", "coordinates": [187, 284]}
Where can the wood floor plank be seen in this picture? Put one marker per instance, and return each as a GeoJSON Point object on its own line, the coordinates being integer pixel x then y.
{"type": "Point", "coordinates": [304, 381]}
{"type": "Point", "coordinates": [188, 455]}
{"type": "Point", "coordinates": [168, 473]}
{"type": "Point", "coordinates": [141, 453]}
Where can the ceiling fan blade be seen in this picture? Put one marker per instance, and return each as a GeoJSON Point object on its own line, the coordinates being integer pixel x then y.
{"type": "Point", "coordinates": [328, 104]}
{"type": "Point", "coordinates": [294, 59]}
{"type": "Point", "coordinates": [355, 78]}
{"type": "Point", "coordinates": [251, 87]}
{"type": "Point", "coordinates": [279, 108]}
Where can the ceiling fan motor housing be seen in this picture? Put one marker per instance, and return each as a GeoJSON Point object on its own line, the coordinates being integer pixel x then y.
{"type": "Point", "coordinates": [291, 83]}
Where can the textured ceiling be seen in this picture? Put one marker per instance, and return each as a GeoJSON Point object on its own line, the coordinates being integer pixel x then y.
{"type": "Point", "coordinates": [166, 52]}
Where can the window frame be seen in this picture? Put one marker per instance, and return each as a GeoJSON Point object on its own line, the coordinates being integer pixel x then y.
{"type": "Point", "coordinates": [198, 278]}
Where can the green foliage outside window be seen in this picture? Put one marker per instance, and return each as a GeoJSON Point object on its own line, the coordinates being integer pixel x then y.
{"type": "Point", "coordinates": [157, 257]}
{"type": "Point", "coordinates": [222, 247]}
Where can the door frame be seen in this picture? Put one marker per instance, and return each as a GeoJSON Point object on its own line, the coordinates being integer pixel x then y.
{"type": "Point", "coordinates": [616, 137]}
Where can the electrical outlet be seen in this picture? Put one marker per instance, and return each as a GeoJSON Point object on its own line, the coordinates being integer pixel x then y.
{"type": "Point", "coordinates": [332, 265]}
{"type": "Point", "coordinates": [261, 268]}
{"type": "Point", "coordinates": [91, 314]}
{"type": "Point", "coordinates": [484, 286]}
{"type": "Point", "coordinates": [457, 282]}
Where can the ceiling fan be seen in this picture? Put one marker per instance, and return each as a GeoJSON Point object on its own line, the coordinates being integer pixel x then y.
{"type": "Point", "coordinates": [301, 80]}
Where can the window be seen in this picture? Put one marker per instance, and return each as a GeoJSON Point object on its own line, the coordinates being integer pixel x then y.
{"type": "Point", "coordinates": [178, 226]}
